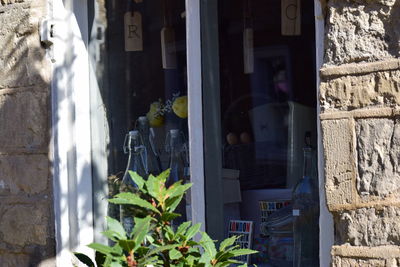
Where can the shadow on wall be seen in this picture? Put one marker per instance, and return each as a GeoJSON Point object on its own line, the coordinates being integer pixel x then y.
{"type": "Point", "coordinates": [392, 29]}
{"type": "Point", "coordinates": [27, 125]}
{"type": "Point", "coordinates": [26, 208]}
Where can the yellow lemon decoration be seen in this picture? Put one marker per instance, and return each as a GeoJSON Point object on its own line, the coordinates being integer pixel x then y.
{"type": "Point", "coordinates": [180, 107]}
{"type": "Point", "coordinates": [156, 119]}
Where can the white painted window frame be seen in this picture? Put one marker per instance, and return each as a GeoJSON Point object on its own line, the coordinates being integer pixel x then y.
{"type": "Point", "coordinates": [195, 121]}
{"type": "Point", "coordinates": [71, 128]}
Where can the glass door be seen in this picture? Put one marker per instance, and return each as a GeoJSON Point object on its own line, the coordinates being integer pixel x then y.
{"type": "Point", "coordinates": [259, 108]}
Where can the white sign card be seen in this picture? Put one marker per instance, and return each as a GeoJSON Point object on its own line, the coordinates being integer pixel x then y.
{"type": "Point", "coordinates": [133, 31]}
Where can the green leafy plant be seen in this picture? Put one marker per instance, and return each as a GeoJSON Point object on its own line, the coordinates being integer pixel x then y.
{"type": "Point", "coordinates": [154, 240]}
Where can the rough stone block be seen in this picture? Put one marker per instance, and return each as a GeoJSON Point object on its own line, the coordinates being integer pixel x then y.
{"type": "Point", "coordinates": [24, 120]}
{"type": "Point", "coordinates": [25, 224]}
{"type": "Point", "coordinates": [23, 173]}
{"type": "Point", "coordinates": [13, 259]}
{"type": "Point", "coordinates": [368, 227]}
{"type": "Point", "coordinates": [351, 262]}
{"type": "Point", "coordinates": [22, 59]}
{"type": "Point", "coordinates": [360, 91]}
{"type": "Point", "coordinates": [378, 150]}
{"type": "Point", "coordinates": [339, 168]}
{"type": "Point", "coordinates": [362, 31]}
{"type": "Point", "coordinates": [37, 256]}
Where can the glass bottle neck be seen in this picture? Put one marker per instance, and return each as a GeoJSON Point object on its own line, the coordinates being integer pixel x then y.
{"type": "Point", "coordinates": [137, 160]}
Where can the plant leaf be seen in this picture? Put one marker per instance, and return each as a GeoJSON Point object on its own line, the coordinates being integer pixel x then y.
{"type": "Point", "coordinates": [182, 228]}
{"type": "Point", "coordinates": [100, 258]}
{"type": "Point", "coordinates": [192, 231]}
{"type": "Point", "coordinates": [148, 261]}
{"type": "Point", "coordinates": [84, 259]}
{"type": "Point", "coordinates": [206, 259]}
{"type": "Point", "coordinates": [138, 180]}
{"type": "Point", "coordinates": [169, 216]}
{"type": "Point", "coordinates": [177, 189]}
{"type": "Point", "coordinates": [192, 243]}
{"type": "Point", "coordinates": [116, 227]}
{"type": "Point", "coordinates": [243, 251]}
{"type": "Point", "coordinates": [191, 259]}
{"type": "Point", "coordinates": [169, 233]}
{"type": "Point", "coordinates": [172, 203]}
{"type": "Point", "coordinates": [101, 248]}
{"type": "Point", "coordinates": [111, 235]}
{"type": "Point", "coordinates": [161, 249]}
{"type": "Point", "coordinates": [132, 199]}
{"type": "Point", "coordinates": [116, 249]}
{"type": "Point", "coordinates": [127, 245]}
{"type": "Point", "coordinates": [164, 176]}
{"type": "Point", "coordinates": [155, 188]}
{"type": "Point", "coordinates": [175, 254]}
{"type": "Point", "coordinates": [115, 264]}
{"type": "Point", "coordinates": [208, 244]}
{"type": "Point", "coordinates": [140, 230]}
{"type": "Point", "coordinates": [227, 242]}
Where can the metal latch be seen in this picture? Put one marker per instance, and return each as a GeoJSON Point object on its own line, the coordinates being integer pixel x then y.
{"type": "Point", "coordinates": [47, 32]}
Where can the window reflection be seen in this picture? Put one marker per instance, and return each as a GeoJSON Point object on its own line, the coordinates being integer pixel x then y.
{"type": "Point", "coordinates": [268, 107]}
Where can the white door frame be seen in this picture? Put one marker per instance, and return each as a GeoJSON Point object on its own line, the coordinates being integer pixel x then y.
{"type": "Point", "coordinates": [71, 144]}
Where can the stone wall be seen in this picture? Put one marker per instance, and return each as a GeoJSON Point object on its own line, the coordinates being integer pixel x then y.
{"type": "Point", "coordinates": [360, 117]}
{"type": "Point", "coordinates": [26, 212]}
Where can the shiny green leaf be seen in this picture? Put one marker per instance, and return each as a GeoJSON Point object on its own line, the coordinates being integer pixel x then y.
{"type": "Point", "coordinates": [101, 248]}
{"type": "Point", "coordinates": [182, 228]}
{"type": "Point", "coordinates": [175, 254]}
{"type": "Point", "coordinates": [192, 231]}
{"type": "Point", "coordinates": [208, 244]}
{"type": "Point", "coordinates": [243, 251]}
{"type": "Point", "coordinates": [116, 227]}
{"type": "Point", "coordinates": [132, 199]}
{"type": "Point", "coordinates": [155, 188]}
{"type": "Point", "coordinates": [140, 230]}
{"type": "Point", "coordinates": [164, 176]}
{"type": "Point", "coordinates": [177, 189]}
{"type": "Point", "coordinates": [169, 216]}
{"type": "Point", "coordinates": [227, 243]}
{"type": "Point", "coordinates": [111, 235]}
{"type": "Point", "coordinates": [115, 264]}
{"type": "Point", "coordinates": [138, 180]}
{"type": "Point", "coordinates": [127, 245]}
{"type": "Point", "coordinates": [172, 203]}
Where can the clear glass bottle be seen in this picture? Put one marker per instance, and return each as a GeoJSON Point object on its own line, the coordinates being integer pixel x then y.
{"type": "Point", "coordinates": [137, 163]}
{"type": "Point", "coordinates": [153, 160]}
{"type": "Point", "coordinates": [175, 148]}
{"type": "Point", "coordinates": [306, 215]}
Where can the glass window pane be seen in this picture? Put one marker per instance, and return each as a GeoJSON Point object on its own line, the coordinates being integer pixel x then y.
{"type": "Point", "coordinates": [259, 89]}
{"type": "Point", "coordinates": [139, 94]}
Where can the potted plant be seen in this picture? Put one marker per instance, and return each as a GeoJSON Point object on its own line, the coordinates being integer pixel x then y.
{"type": "Point", "coordinates": [154, 241]}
